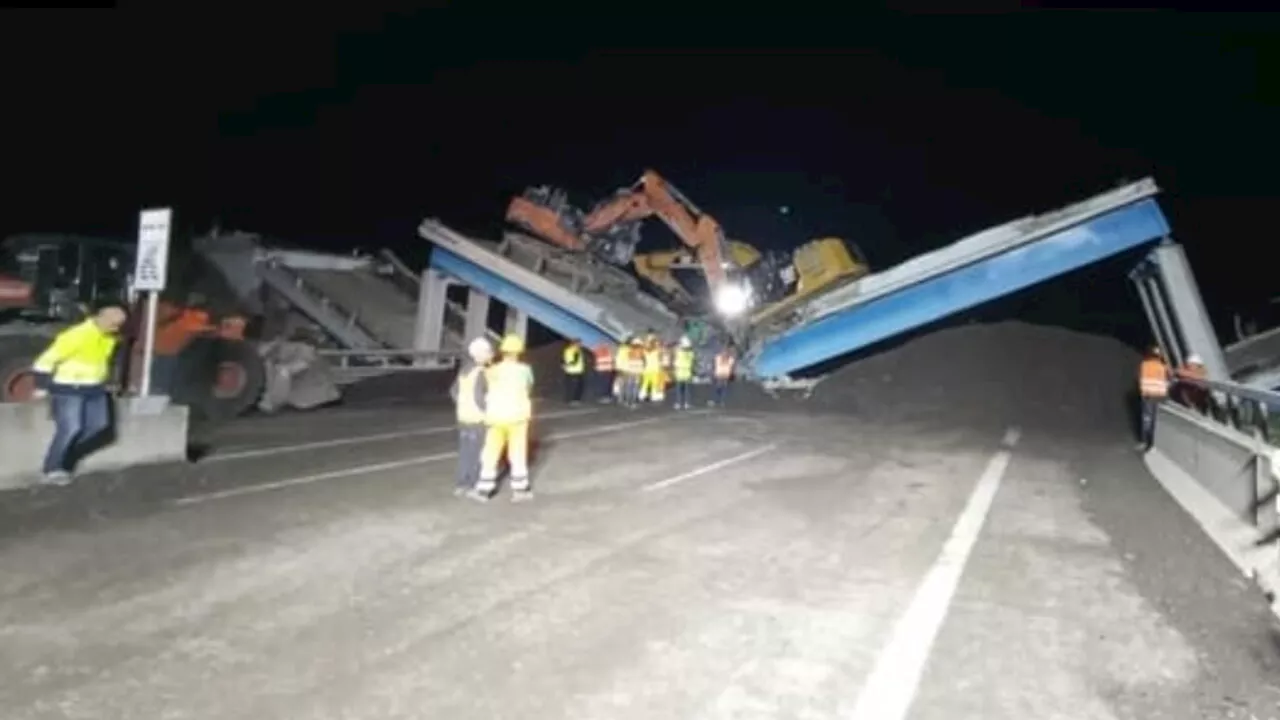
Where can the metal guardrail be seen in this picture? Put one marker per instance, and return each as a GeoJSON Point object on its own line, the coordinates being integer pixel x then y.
{"type": "Point", "coordinates": [1250, 410]}
{"type": "Point", "coordinates": [381, 360]}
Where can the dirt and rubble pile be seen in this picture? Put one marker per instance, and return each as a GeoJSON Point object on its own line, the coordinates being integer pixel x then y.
{"type": "Point", "coordinates": [1002, 372]}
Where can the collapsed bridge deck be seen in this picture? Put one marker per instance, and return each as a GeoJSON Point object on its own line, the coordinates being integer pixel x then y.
{"type": "Point", "coordinates": [548, 284]}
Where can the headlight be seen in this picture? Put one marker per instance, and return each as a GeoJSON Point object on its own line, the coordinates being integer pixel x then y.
{"type": "Point", "coordinates": [732, 300]}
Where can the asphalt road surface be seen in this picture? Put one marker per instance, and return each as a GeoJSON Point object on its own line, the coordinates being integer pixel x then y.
{"type": "Point", "coordinates": [694, 565]}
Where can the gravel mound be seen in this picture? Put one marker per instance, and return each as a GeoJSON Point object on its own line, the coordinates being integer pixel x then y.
{"type": "Point", "coordinates": [1004, 372]}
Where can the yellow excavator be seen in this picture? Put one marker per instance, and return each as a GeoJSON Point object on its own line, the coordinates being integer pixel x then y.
{"type": "Point", "coordinates": [743, 281]}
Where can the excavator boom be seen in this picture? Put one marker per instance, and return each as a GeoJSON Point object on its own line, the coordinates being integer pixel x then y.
{"type": "Point", "coordinates": [611, 230]}
{"type": "Point", "coordinates": [696, 229]}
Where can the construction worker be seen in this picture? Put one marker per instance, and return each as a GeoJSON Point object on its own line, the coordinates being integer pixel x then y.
{"type": "Point", "coordinates": [621, 363]}
{"type": "Point", "coordinates": [75, 372]}
{"type": "Point", "coordinates": [507, 411]}
{"type": "Point", "coordinates": [634, 373]}
{"type": "Point", "coordinates": [1192, 395]}
{"type": "Point", "coordinates": [666, 357]}
{"type": "Point", "coordinates": [1153, 388]}
{"type": "Point", "coordinates": [721, 375]}
{"type": "Point", "coordinates": [468, 393]}
{"type": "Point", "coordinates": [602, 372]}
{"type": "Point", "coordinates": [651, 374]}
{"type": "Point", "coordinates": [573, 362]}
{"type": "Point", "coordinates": [682, 371]}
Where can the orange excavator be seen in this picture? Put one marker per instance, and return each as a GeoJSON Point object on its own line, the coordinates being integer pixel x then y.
{"type": "Point", "coordinates": [611, 230]}
{"type": "Point", "coordinates": [741, 278]}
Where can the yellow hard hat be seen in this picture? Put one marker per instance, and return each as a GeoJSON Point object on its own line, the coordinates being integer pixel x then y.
{"type": "Point", "coordinates": [512, 344]}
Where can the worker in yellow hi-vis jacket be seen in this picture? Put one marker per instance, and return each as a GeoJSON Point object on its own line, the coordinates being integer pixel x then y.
{"type": "Point", "coordinates": [508, 411]}
{"type": "Point", "coordinates": [651, 373]}
{"type": "Point", "coordinates": [75, 372]}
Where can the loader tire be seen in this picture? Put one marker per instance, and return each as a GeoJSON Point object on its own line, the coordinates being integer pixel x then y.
{"type": "Point", "coordinates": [218, 379]}
{"type": "Point", "coordinates": [17, 383]}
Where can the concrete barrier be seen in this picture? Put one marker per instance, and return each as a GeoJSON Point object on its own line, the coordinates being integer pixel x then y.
{"type": "Point", "coordinates": [1227, 481]}
{"type": "Point", "coordinates": [138, 438]}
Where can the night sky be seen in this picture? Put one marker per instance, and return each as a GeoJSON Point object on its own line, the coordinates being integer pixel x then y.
{"type": "Point", "coordinates": [337, 133]}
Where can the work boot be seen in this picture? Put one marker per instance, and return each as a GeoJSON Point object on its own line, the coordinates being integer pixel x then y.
{"type": "Point", "coordinates": [57, 478]}
{"type": "Point", "coordinates": [477, 495]}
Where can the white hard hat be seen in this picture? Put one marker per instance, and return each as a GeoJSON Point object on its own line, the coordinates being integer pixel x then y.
{"type": "Point", "coordinates": [686, 342]}
{"type": "Point", "coordinates": [480, 349]}
{"type": "Point", "coordinates": [1194, 360]}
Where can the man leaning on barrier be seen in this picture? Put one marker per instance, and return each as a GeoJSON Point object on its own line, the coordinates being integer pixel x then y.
{"type": "Point", "coordinates": [75, 372]}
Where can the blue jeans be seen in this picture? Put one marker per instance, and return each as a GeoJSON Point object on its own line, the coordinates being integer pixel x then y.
{"type": "Point", "coordinates": [470, 444]}
{"type": "Point", "coordinates": [78, 418]}
{"type": "Point", "coordinates": [1150, 406]}
{"type": "Point", "coordinates": [684, 393]}
{"type": "Point", "coordinates": [720, 389]}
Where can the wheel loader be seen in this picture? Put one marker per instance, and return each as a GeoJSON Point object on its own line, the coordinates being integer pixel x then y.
{"type": "Point", "coordinates": [48, 282]}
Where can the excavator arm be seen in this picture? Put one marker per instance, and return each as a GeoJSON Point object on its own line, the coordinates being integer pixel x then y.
{"type": "Point", "coordinates": [695, 228]}
{"type": "Point", "coordinates": [611, 230]}
{"type": "Point", "coordinates": [547, 213]}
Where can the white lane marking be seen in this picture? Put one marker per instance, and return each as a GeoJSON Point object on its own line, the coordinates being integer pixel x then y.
{"type": "Point", "coordinates": [340, 442]}
{"type": "Point", "coordinates": [891, 687]}
{"type": "Point", "coordinates": [711, 467]}
{"type": "Point", "coordinates": [384, 466]}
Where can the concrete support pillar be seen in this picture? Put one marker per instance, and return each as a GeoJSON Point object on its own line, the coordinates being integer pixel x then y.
{"type": "Point", "coordinates": [477, 314]}
{"type": "Point", "coordinates": [1148, 308]}
{"type": "Point", "coordinates": [1187, 309]}
{"type": "Point", "coordinates": [1175, 350]}
{"type": "Point", "coordinates": [517, 322]}
{"type": "Point", "coordinates": [428, 332]}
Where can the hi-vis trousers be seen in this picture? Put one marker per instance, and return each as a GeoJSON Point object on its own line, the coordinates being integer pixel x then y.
{"type": "Point", "coordinates": [652, 387]}
{"type": "Point", "coordinates": [513, 438]}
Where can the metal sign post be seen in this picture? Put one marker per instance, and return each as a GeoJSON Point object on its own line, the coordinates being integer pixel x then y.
{"type": "Point", "coordinates": [150, 269]}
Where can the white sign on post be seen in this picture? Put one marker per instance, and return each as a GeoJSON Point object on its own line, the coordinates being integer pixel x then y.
{"type": "Point", "coordinates": [149, 272]}
{"type": "Point", "coordinates": [152, 264]}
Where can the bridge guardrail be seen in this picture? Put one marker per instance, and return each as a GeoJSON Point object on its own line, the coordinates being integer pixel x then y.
{"type": "Point", "coordinates": [1222, 438]}
{"type": "Point", "coordinates": [1249, 410]}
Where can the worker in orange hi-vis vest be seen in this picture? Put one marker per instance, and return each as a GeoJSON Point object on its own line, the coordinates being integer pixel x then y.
{"type": "Point", "coordinates": [602, 372]}
{"type": "Point", "coordinates": [1153, 388]}
{"type": "Point", "coordinates": [721, 376]}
